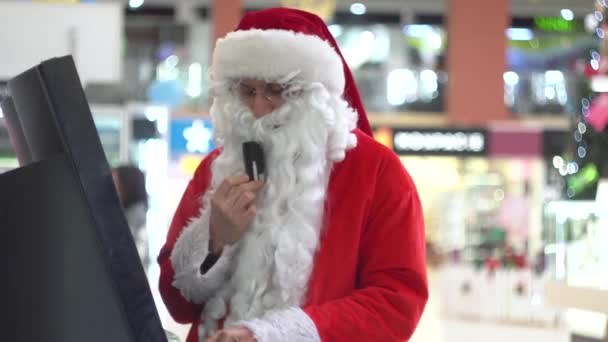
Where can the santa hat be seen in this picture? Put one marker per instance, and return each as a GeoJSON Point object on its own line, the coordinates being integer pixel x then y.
{"type": "Point", "coordinates": [276, 42]}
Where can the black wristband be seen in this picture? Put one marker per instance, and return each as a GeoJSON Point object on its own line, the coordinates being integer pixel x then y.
{"type": "Point", "coordinates": [209, 262]}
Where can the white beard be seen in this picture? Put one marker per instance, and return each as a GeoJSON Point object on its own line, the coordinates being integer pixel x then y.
{"type": "Point", "coordinates": [301, 140]}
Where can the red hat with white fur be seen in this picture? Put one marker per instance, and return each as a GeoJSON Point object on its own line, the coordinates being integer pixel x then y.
{"type": "Point", "coordinates": [273, 43]}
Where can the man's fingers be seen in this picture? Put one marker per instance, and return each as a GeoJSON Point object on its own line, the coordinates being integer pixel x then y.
{"type": "Point", "coordinates": [222, 190]}
{"type": "Point", "coordinates": [245, 217]}
{"type": "Point", "coordinates": [213, 338]}
{"type": "Point", "coordinates": [251, 211]}
{"type": "Point", "coordinates": [221, 336]}
{"type": "Point", "coordinates": [232, 209]}
{"type": "Point", "coordinates": [253, 186]}
{"type": "Point", "coordinates": [232, 335]}
{"type": "Point", "coordinates": [237, 192]}
{"type": "Point", "coordinates": [244, 200]}
{"type": "Point", "coordinates": [229, 183]}
{"type": "Point", "coordinates": [238, 179]}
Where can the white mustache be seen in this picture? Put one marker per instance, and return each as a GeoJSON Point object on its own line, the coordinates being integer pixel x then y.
{"type": "Point", "coordinates": [248, 126]}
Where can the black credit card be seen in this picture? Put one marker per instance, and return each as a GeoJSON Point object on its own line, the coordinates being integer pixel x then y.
{"type": "Point", "coordinates": [255, 165]}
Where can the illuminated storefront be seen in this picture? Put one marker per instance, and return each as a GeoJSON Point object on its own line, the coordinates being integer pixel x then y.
{"type": "Point", "coordinates": [474, 183]}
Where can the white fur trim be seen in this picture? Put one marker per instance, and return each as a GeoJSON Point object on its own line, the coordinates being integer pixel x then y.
{"type": "Point", "coordinates": [187, 256]}
{"type": "Point", "coordinates": [274, 54]}
{"type": "Point", "coordinates": [292, 324]}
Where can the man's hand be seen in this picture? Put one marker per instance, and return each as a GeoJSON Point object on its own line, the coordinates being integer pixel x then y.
{"type": "Point", "coordinates": [232, 209]}
{"type": "Point", "coordinates": [240, 334]}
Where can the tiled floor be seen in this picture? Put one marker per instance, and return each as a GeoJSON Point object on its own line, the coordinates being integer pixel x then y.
{"type": "Point", "coordinates": [435, 328]}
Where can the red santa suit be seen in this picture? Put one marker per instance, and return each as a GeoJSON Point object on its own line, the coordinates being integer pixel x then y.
{"type": "Point", "coordinates": [367, 279]}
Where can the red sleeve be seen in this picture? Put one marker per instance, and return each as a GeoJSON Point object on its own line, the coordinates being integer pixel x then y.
{"type": "Point", "coordinates": [392, 287]}
{"type": "Point", "coordinates": [189, 207]}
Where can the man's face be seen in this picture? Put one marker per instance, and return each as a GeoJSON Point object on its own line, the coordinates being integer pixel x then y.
{"type": "Point", "coordinates": [261, 97]}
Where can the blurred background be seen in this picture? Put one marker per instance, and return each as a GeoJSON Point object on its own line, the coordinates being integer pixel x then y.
{"type": "Point", "coordinates": [497, 109]}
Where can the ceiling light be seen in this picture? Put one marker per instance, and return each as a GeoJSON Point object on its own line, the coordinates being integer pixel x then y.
{"type": "Point", "coordinates": [358, 8]}
{"type": "Point", "coordinates": [135, 3]}
{"type": "Point", "coordinates": [567, 14]}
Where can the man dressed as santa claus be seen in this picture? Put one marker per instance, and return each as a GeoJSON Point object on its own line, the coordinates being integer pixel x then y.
{"type": "Point", "coordinates": [330, 244]}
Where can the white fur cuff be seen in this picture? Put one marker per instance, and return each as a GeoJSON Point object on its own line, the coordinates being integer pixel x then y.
{"type": "Point", "coordinates": [189, 252]}
{"type": "Point", "coordinates": [291, 324]}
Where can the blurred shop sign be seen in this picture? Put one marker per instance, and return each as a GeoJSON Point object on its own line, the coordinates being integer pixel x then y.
{"type": "Point", "coordinates": [558, 24]}
{"type": "Point", "coordinates": [190, 136]}
{"type": "Point", "coordinates": [440, 141]}
{"type": "Point", "coordinates": [515, 141]}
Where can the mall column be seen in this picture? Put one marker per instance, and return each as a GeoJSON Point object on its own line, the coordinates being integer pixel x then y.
{"type": "Point", "coordinates": [476, 60]}
{"type": "Point", "coordinates": [225, 17]}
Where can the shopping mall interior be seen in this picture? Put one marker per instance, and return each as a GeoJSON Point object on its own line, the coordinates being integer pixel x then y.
{"type": "Point", "coordinates": [495, 108]}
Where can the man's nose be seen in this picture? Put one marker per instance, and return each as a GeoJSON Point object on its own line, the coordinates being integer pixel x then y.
{"type": "Point", "coordinates": [260, 106]}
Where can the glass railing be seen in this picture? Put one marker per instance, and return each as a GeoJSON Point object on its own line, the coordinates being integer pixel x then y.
{"type": "Point", "coordinates": [549, 92]}
{"type": "Point", "coordinates": [401, 89]}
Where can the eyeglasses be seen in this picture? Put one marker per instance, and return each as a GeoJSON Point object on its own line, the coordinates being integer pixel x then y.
{"type": "Point", "coordinates": [271, 92]}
